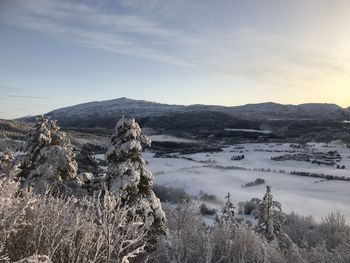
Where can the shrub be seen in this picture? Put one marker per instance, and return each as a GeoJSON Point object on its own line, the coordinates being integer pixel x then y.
{"type": "Point", "coordinates": [240, 243]}
{"type": "Point", "coordinates": [68, 230]}
{"type": "Point", "coordinates": [303, 231]}
{"type": "Point", "coordinates": [334, 230]}
{"type": "Point", "coordinates": [320, 254]}
{"type": "Point", "coordinates": [189, 240]}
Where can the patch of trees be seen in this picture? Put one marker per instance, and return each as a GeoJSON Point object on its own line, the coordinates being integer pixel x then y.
{"type": "Point", "coordinates": [321, 158]}
{"type": "Point", "coordinates": [323, 176]}
{"type": "Point", "coordinates": [167, 147]}
{"type": "Point", "coordinates": [237, 157]}
{"type": "Point", "coordinates": [257, 181]}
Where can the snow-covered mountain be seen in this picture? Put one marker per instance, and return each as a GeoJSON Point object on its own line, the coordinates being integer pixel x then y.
{"type": "Point", "coordinates": [272, 110]}
{"type": "Point", "coordinates": [200, 119]}
{"type": "Point", "coordinates": [117, 106]}
{"type": "Point", "coordinates": [141, 109]}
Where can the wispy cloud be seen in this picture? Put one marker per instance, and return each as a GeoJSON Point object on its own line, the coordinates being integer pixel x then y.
{"type": "Point", "coordinates": [25, 96]}
{"type": "Point", "coordinates": [4, 89]}
{"type": "Point", "coordinates": [246, 51]}
{"type": "Point", "coordinates": [12, 92]}
{"type": "Point", "coordinates": [93, 28]}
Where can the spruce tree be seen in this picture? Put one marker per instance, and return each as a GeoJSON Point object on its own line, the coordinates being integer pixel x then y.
{"type": "Point", "coordinates": [228, 212]}
{"type": "Point", "coordinates": [269, 215]}
{"type": "Point", "coordinates": [50, 162]}
{"type": "Point", "coordinates": [128, 177]}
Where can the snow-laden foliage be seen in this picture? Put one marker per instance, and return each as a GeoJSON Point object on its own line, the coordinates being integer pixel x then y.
{"type": "Point", "coordinates": [128, 177]}
{"type": "Point", "coordinates": [50, 161]}
{"type": "Point", "coordinates": [187, 239]}
{"type": "Point", "coordinates": [190, 240]}
{"type": "Point", "coordinates": [35, 259]}
{"type": "Point", "coordinates": [92, 229]}
{"type": "Point", "coordinates": [86, 178]}
{"type": "Point", "coordinates": [126, 166]}
{"type": "Point", "coordinates": [269, 215]}
{"type": "Point", "coordinates": [6, 160]}
{"type": "Point", "coordinates": [228, 213]}
{"type": "Point", "coordinates": [7, 166]}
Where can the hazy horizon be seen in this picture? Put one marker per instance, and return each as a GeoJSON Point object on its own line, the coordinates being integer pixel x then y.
{"type": "Point", "coordinates": [56, 54]}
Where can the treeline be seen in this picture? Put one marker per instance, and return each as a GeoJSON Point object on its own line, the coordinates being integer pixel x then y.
{"type": "Point", "coordinates": [322, 176]}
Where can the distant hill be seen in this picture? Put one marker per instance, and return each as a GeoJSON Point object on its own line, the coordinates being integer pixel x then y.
{"type": "Point", "coordinates": [199, 120]}
{"type": "Point", "coordinates": [273, 111]}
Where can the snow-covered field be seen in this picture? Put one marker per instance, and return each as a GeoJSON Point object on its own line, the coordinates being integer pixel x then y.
{"type": "Point", "coordinates": [211, 173]}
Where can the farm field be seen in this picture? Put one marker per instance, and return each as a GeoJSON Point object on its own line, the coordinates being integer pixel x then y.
{"type": "Point", "coordinates": [216, 173]}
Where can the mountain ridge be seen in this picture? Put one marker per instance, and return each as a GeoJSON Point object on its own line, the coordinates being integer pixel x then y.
{"type": "Point", "coordinates": [142, 108]}
{"type": "Point", "coordinates": [304, 122]}
{"type": "Point", "coordinates": [206, 121]}
{"type": "Point", "coordinates": [125, 100]}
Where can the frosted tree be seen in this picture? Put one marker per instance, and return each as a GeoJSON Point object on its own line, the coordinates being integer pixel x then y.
{"type": "Point", "coordinates": [128, 178]}
{"type": "Point", "coordinates": [228, 212]}
{"type": "Point", "coordinates": [6, 161]}
{"type": "Point", "coordinates": [269, 215]}
{"type": "Point", "coordinates": [50, 162]}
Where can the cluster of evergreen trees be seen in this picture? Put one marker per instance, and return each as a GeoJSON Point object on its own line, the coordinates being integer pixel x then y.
{"type": "Point", "coordinates": [49, 166]}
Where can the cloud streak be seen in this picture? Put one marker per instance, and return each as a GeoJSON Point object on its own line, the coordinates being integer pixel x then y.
{"type": "Point", "coordinates": [4, 89]}
{"type": "Point", "coordinates": [25, 96]}
{"type": "Point", "coordinates": [142, 31]}
{"type": "Point", "coordinates": [12, 92]}
{"type": "Point", "coordinates": [91, 28]}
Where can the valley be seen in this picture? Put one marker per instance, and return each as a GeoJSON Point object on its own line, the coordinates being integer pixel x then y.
{"type": "Point", "coordinates": [216, 174]}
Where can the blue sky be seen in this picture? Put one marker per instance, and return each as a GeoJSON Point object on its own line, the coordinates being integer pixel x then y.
{"type": "Point", "coordinates": [56, 53]}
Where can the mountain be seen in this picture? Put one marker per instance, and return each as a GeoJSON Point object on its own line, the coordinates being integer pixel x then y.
{"type": "Point", "coordinates": [199, 120]}
{"type": "Point", "coordinates": [272, 111]}
{"type": "Point", "coordinates": [141, 109]}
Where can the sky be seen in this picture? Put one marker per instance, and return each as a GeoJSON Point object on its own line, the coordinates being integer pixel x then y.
{"type": "Point", "coordinates": [56, 53]}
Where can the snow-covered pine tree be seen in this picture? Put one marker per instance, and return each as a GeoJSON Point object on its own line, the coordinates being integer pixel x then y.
{"type": "Point", "coordinates": [128, 178]}
{"type": "Point", "coordinates": [269, 214]}
{"type": "Point", "coordinates": [50, 162]}
{"type": "Point", "coordinates": [228, 212]}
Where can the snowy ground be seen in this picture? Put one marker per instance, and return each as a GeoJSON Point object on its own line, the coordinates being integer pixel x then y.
{"type": "Point", "coordinates": [304, 195]}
